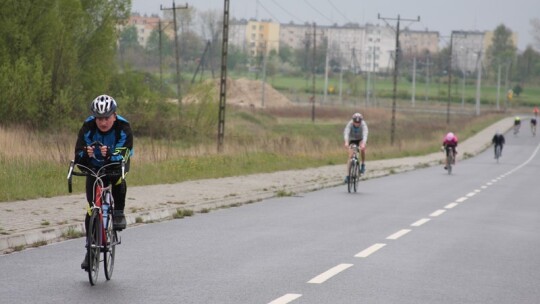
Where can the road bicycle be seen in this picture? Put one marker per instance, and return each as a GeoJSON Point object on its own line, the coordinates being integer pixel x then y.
{"type": "Point", "coordinates": [450, 159]}
{"type": "Point", "coordinates": [101, 237]}
{"type": "Point", "coordinates": [497, 152]}
{"type": "Point", "coordinates": [533, 126]}
{"type": "Point", "coordinates": [354, 170]}
{"type": "Point", "coordinates": [516, 129]}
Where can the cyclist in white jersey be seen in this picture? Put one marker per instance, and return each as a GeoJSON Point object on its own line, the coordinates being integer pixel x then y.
{"type": "Point", "coordinates": [356, 132]}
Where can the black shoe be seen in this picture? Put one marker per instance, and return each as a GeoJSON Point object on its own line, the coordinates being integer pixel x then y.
{"type": "Point", "coordinates": [119, 221]}
{"type": "Point", "coordinates": [84, 264]}
{"type": "Point", "coordinates": [445, 167]}
{"type": "Point", "coordinates": [362, 169]}
{"type": "Point", "coordinates": [346, 180]}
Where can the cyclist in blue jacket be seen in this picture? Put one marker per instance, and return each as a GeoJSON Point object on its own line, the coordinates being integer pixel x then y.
{"type": "Point", "coordinates": [114, 132]}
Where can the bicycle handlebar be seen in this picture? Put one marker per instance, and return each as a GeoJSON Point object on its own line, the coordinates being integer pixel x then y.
{"type": "Point", "coordinates": [99, 173]}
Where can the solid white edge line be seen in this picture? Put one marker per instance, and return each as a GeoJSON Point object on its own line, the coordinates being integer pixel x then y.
{"type": "Point", "coordinates": [398, 234]}
{"type": "Point", "coordinates": [370, 250]}
{"type": "Point", "coordinates": [329, 273]}
{"type": "Point", "coordinates": [438, 212]}
{"type": "Point", "coordinates": [420, 222]}
{"type": "Point", "coordinates": [286, 298]}
{"type": "Point", "coordinates": [451, 205]}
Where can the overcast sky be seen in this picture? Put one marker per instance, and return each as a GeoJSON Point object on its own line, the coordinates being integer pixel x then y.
{"type": "Point", "coordinates": [436, 15]}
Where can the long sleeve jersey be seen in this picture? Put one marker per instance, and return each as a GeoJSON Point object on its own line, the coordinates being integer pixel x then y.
{"type": "Point", "coordinates": [356, 133]}
{"type": "Point", "coordinates": [119, 140]}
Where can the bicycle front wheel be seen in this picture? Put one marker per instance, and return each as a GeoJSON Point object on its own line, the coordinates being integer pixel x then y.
{"type": "Point", "coordinates": [93, 236]}
{"type": "Point", "coordinates": [110, 249]}
{"type": "Point", "coordinates": [449, 161]}
{"type": "Point", "coordinates": [356, 175]}
{"type": "Point", "coordinates": [352, 176]}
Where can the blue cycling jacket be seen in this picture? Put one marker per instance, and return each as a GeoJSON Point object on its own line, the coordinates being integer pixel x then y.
{"type": "Point", "coordinates": [119, 139]}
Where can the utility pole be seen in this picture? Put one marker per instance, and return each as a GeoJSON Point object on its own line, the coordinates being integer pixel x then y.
{"type": "Point", "coordinates": [478, 82]}
{"type": "Point", "coordinates": [263, 81]}
{"type": "Point", "coordinates": [160, 61]}
{"type": "Point", "coordinates": [413, 82]}
{"type": "Point", "coordinates": [396, 66]}
{"type": "Point", "coordinates": [178, 93]}
{"type": "Point", "coordinates": [313, 70]}
{"type": "Point", "coordinates": [223, 81]}
{"type": "Point", "coordinates": [449, 80]}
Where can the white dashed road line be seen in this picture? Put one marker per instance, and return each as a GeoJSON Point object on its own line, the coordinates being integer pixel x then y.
{"type": "Point", "coordinates": [370, 250]}
{"type": "Point", "coordinates": [329, 273]}
{"type": "Point", "coordinates": [420, 222]}
{"type": "Point", "coordinates": [398, 234]}
{"type": "Point", "coordinates": [451, 205]}
{"type": "Point", "coordinates": [437, 213]}
{"type": "Point", "coordinates": [286, 298]}
{"type": "Point", "coordinates": [461, 199]}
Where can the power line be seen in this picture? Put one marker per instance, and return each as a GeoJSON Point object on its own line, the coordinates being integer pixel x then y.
{"type": "Point", "coordinates": [269, 13]}
{"type": "Point", "coordinates": [319, 12]}
{"type": "Point", "coordinates": [286, 11]}
{"type": "Point", "coordinates": [338, 11]}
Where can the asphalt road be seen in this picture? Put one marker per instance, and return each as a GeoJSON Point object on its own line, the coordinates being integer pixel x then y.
{"type": "Point", "coordinates": [417, 237]}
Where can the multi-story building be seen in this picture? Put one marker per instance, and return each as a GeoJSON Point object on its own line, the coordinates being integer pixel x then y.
{"type": "Point", "coordinates": [262, 37]}
{"type": "Point", "coordinates": [417, 43]}
{"type": "Point", "coordinates": [467, 47]}
{"type": "Point", "coordinates": [144, 26]}
{"type": "Point", "coordinates": [237, 34]}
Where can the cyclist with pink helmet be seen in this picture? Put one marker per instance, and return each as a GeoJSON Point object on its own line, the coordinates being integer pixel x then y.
{"type": "Point", "coordinates": [450, 141]}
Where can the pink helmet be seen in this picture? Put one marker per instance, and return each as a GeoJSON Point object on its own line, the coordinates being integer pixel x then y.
{"type": "Point", "coordinates": [450, 136]}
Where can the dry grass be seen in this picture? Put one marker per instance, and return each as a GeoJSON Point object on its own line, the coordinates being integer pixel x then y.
{"type": "Point", "coordinates": [285, 131]}
{"type": "Point", "coordinates": [33, 164]}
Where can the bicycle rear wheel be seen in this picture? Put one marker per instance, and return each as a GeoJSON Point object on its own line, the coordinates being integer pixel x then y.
{"type": "Point", "coordinates": [110, 249]}
{"type": "Point", "coordinates": [93, 249]}
{"type": "Point", "coordinates": [497, 153]}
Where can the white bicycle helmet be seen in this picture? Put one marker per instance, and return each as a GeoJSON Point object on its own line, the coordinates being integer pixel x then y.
{"type": "Point", "coordinates": [103, 106]}
{"type": "Point", "coordinates": [357, 117]}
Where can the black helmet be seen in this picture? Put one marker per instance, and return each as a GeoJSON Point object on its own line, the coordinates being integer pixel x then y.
{"type": "Point", "coordinates": [103, 106]}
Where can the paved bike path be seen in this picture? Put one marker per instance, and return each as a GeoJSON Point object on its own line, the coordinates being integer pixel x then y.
{"type": "Point", "coordinates": [33, 222]}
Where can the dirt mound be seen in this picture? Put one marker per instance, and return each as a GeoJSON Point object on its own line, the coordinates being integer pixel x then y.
{"type": "Point", "coordinates": [246, 92]}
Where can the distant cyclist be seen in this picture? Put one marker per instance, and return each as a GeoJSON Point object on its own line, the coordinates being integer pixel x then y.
{"type": "Point", "coordinates": [535, 111]}
{"type": "Point", "coordinates": [450, 142]}
{"type": "Point", "coordinates": [356, 132]}
{"type": "Point", "coordinates": [498, 141]}
{"type": "Point", "coordinates": [533, 125]}
{"type": "Point", "coordinates": [517, 124]}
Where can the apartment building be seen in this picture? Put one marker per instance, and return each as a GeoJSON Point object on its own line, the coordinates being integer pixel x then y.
{"type": "Point", "coordinates": [144, 26]}
{"type": "Point", "coordinates": [262, 37]}
{"type": "Point", "coordinates": [417, 43]}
